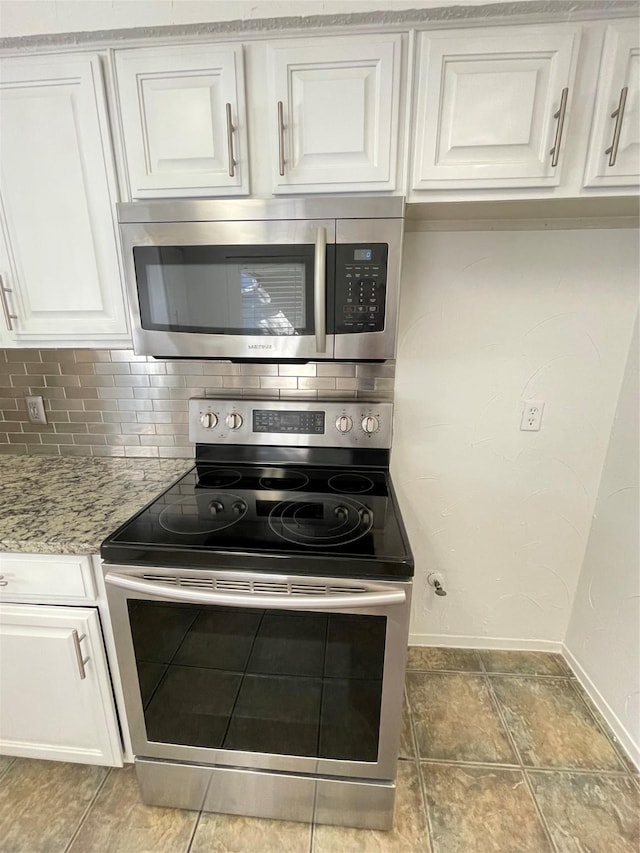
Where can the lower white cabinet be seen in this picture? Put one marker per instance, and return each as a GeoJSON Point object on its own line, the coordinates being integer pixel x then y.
{"type": "Point", "coordinates": [56, 700]}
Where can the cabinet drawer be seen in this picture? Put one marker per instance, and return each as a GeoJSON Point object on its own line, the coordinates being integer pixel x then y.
{"type": "Point", "coordinates": [37, 577]}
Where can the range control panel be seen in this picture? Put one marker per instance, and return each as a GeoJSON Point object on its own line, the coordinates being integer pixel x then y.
{"type": "Point", "coordinates": [293, 423]}
{"type": "Point", "coordinates": [361, 284]}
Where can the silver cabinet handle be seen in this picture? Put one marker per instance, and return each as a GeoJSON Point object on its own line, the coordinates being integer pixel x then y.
{"type": "Point", "coordinates": [81, 661]}
{"type": "Point", "coordinates": [280, 138]}
{"type": "Point", "coordinates": [555, 151]}
{"type": "Point", "coordinates": [618, 115]}
{"type": "Point", "coordinates": [8, 316]}
{"type": "Point", "coordinates": [332, 601]}
{"type": "Point", "coordinates": [3, 582]}
{"type": "Point", "coordinates": [320, 290]}
{"type": "Point", "coordinates": [230, 129]}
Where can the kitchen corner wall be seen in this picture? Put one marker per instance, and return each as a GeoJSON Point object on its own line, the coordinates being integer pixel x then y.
{"type": "Point", "coordinates": [114, 403]}
{"type": "Point", "coordinates": [489, 319]}
{"type": "Point", "coordinates": [603, 639]}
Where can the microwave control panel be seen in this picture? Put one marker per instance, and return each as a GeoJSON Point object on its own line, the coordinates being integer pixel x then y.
{"type": "Point", "coordinates": [361, 284]}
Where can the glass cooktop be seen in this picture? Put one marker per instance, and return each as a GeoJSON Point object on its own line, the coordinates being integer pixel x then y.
{"type": "Point", "coordinates": [257, 516]}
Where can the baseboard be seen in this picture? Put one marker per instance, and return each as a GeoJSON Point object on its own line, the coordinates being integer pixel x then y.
{"type": "Point", "coordinates": [463, 641]}
{"type": "Point", "coordinates": [626, 741]}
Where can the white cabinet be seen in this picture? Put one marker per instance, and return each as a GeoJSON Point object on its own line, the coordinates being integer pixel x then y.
{"type": "Point", "coordinates": [183, 120]}
{"type": "Point", "coordinates": [55, 694]}
{"type": "Point", "coordinates": [490, 107]}
{"type": "Point", "coordinates": [333, 105]}
{"type": "Point", "coordinates": [59, 256]}
{"type": "Point", "coordinates": [614, 144]}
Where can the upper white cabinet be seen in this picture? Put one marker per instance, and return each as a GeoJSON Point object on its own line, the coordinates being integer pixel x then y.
{"type": "Point", "coordinates": [59, 256]}
{"type": "Point", "coordinates": [614, 144]}
{"type": "Point", "coordinates": [492, 107]}
{"type": "Point", "coordinates": [183, 120]}
{"type": "Point", "coordinates": [333, 106]}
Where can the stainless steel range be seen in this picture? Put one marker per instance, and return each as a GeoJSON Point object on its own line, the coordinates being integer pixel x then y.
{"type": "Point", "coordinates": [261, 611]}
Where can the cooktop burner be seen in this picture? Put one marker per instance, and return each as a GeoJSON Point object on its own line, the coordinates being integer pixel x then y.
{"type": "Point", "coordinates": [283, 479]}
{"type": "Point", "coordinates": [202, 513]}
{"type": "Point", "coordinates": [220, 478]}
{"type": "Point", "coordinates": [319, 522]}
{"type": "Point", "coordinates": [351, 484]}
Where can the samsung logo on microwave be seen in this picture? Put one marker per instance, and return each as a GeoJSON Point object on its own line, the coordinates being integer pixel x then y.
{"type": "Point", "coordinates": [260, 346]}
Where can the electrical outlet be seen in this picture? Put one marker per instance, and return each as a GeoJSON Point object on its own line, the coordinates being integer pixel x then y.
{"type": "Point", "coordinates": [532, 415]}
{"type": "Point", "coordinates": [35, 410]}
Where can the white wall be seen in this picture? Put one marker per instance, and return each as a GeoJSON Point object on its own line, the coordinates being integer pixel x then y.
{"type": "Point", "coordinates": [33, 17]}
{"type": "Point", "coordinates": [489, 319]}
{"type": "Point", "coordinates": [603, 640]}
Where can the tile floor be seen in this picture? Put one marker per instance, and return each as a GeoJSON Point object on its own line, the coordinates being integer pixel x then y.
{"type": "Point", "coordinates": [502, 752]}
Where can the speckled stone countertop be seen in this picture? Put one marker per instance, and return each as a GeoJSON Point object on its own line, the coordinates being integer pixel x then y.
{"type": "Point", "coordinates": [68, 505]}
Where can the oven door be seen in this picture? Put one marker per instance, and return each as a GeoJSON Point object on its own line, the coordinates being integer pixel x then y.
{"type": "Point", "coordinates": [257, 289]}
{"type": "Point", "coordinates": [279, 673]}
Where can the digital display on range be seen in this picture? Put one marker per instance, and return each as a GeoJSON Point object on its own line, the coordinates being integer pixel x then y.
{"type": "Point", "coordinates": [362, 254]}
{"type": "Point", "coordinates": [301, 423]}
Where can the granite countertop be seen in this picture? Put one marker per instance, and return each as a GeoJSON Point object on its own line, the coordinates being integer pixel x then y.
{"type": "Point", "coordinates": [68, 505]}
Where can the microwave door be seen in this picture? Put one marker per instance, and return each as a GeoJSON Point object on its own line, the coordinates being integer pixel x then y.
{"type": "Point", "coordinates": [232, 289]}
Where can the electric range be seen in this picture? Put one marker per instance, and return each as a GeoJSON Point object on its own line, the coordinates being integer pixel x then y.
{"type": "Point", "coordinates": [260, 608]}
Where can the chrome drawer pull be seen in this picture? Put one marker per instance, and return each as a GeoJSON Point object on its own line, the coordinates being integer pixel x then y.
{"type": "Point", "coordinates": [230, 129]}
{"type": "Point", "coordinates": [618, 115]}
{"type": "Point", "coordinates": [81, 661]}
{"type": "Point", "coordinates": [555, 151]}
{"type": "Point", "coordinates": [8, 316]}
{"type": "Point", "coordinates": [280, 138]}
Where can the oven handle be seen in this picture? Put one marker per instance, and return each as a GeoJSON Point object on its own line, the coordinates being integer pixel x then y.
{"type": "Point", "coordinates": [320, 288]}
{"type": "Point", "coordinates": [348, 601]}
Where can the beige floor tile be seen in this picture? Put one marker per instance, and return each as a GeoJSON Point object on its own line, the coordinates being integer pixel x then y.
{"type": "Point", "coordinates": [409, 833]}
{"type": "Point", "coordinates": [42, 803]}
{"type": "Point", "coordinates": [622, 755]}
{"type": "Point", "coordinates": [455, 718]}
{"type": "Point", "coordinates": [220, 833]}
{"type": "Point", "coordinates": [5, 763]}
{"type": "Point", "coordinates": [586, 811]}
{"type": "Point", "coordinates": [407, 749]}
{"type": "Point", "coordinates": [436, 658]}
{"type": "Point", "coordinates": [524, 663]}
{"type": "Point", "coordinates": [481, 810]}
{"type": "Point", "coordinates": [551, 725]}
{"type": "Point", "coordinates": [120, 823]}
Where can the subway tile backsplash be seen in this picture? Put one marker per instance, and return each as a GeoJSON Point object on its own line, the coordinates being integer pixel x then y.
{"type": "Point", "coordinates": [115, 403]}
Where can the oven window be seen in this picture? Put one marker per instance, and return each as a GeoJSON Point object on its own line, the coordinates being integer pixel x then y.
{"type": "Point", "coordinates": [226, 289]}
{"type": "Point", "coordinates": [286, 683]}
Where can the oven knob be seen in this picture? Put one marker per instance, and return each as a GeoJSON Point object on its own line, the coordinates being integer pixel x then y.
{"type": "Point", "coordinates": [215, 507]}
{"type": "Point", "coordinates": [370, 424]}
{"type": "Point", "coordinates": [208, 420]}
{"type": "Point", "coordinates": [234, 420]}
{"type": "Point", "coordinates": [238, 508]}
{"type": "Point", "coordinates": [344, 423]}
{"type": "Point", "coordinates": [341, 513]}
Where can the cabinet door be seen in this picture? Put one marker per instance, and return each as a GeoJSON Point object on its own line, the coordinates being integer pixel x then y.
{"type": "Point", "coordinates": [55, 693]}
{"type": "Point", "coordinates": [183, 121]}
{"type": "Point", "coordinates": [614, 144]}
{"type": "Point", "coordinates": [334, 113]}
{"type": "Point", "coordinates": [490, 107]}
{"type": "Point", "coordinates": [58, 248]}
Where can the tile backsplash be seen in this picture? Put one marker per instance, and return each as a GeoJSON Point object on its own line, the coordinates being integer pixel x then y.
{"type": "Point", "coordinates": [115, 403]}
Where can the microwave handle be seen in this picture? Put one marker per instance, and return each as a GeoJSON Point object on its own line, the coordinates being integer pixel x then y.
{"type": "Point", "coordinates": [330, 601]}
{"type": "Point", "coordinates": [320, 289]}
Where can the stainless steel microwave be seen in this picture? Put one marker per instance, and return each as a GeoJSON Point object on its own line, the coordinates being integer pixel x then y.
{"type": "Point", "coordinates": [264, 279]}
